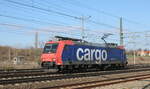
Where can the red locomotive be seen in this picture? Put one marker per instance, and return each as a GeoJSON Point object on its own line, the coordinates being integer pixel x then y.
{"type": "Point", "coordinates": [69, 53]}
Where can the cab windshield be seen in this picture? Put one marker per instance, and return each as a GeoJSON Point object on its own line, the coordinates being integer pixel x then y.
{"type": "Point", "coordinates": [50, 48]}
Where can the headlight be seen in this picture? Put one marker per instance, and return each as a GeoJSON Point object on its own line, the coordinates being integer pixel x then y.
{"type": "Point", "coordinates": [54, 59]}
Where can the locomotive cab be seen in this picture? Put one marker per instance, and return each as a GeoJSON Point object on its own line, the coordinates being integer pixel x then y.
{"type": "Point", "coordinates": [52, 53]}
{"type": "Point", "coordinates": [49, 55]}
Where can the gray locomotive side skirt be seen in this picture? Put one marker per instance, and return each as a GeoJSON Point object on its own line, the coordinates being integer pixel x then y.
{"type": "Point", "coordinates": [91, 62]}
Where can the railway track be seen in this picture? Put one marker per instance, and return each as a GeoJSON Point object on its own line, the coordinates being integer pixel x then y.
{"type": "Point", "coordinates": [55, 76]}
{"type": "Point", "coordinates": [19, 70]}
{"type": "Point", "coordinates": [93, 84]}
{"type": "Point", "coordinates": [37, 72]}
{"type": "Point", "coordinates": [26, 74]}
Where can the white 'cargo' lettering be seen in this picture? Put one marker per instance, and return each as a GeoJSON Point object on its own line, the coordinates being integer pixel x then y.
{"type": "Point", "coordinates": [91, 54]}
{"type": "Point", "coordinates": [77, 54]}
{"type": "Point", "coordinates": [104, 55]}
{"type": "Point", "coordinates": [98, 54]}
{"type": "Point", "coordinates": [87, 54]}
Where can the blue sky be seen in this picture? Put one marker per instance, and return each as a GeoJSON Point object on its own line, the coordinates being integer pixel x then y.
{"type": "Point", "coordinates": [19, 23]}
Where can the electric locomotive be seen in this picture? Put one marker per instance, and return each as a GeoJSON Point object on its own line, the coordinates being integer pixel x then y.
{"type": "Point", "coordinates": [69, 53]}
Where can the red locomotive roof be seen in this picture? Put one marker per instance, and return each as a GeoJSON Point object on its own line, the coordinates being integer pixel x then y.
{"type": "Point", "coordinates": [62, 41]}
{"type": "Point", "coordinates": [120, 47]}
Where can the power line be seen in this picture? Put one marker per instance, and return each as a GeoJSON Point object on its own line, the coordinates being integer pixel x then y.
{"type": "Point", "coordinates": [57, 7]}
{"type": "Point", "coordinates": [25, 19]}
{"type": "Point", "coordinates": [47, 10]}
{"type": "Point", "coordinates": [93, 9]}
{"type": "Point", "coordinates": [98, 23]}
{"type": "Point", "coordinates": [24, 10]}
{"type": "Point", "coordinates": [134, 22]}
{"type": "Point", "coordinates": [34, 29]}
{"type": "Point", "coordinates": [18, 27]}
{"type": "Point", "coordinates": [107, 25]}
{"type": "Point", "coordinates": [94, 21]}
{"type": "Point", "coordinates": [59, 13]}
{"type": "Point", "coordinates": [33, 20]}
{"type": "Point", "coordinates": [21, 27]}
{"type": "Point", "coordinates": [104, 12]}
{"type": "Point", "coordinates": [13, 31]}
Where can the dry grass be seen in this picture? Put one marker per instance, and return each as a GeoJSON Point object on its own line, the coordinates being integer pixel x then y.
{"type": "Point", "coordinates": [139, 60]}
{"type": "Point", "coordinates": [30, 58]}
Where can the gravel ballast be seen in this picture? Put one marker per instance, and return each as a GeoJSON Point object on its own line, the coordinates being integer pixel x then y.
{"type": "Point", "coordinates": [140, 84]}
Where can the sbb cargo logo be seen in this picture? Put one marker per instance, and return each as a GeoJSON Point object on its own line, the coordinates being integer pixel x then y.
{"type": "Point", "coordinates": [91, 54]}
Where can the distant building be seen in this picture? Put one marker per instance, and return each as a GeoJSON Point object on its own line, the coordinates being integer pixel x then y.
{"type": "Point", "coordinates": [18, 60]}
{"type": "Point", "coordinates": [143, 53]}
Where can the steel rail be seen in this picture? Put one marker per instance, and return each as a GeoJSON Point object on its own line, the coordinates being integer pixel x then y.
{"type": "Point", "coordinates": [66, 76]}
